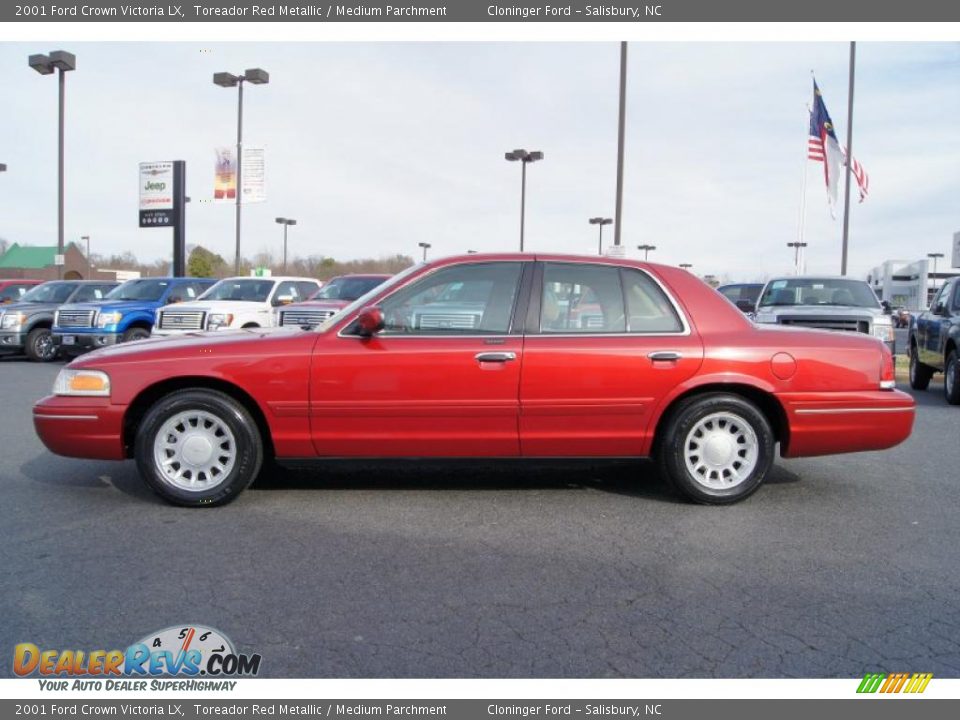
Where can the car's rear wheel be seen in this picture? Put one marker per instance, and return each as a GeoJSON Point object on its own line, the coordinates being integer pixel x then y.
{"type": "Point", "coordinates": [920, 374]}
{"type": "Point", "coordinates": [716, 449]}
{"type": "Point", "coordinates": [40, 347]}
{"type": "Point", "coordinates": [198, 447]}
{"type": "Point", "coordinates": [135, 333]}
{"type": "Point", "coordinates": [951, 378]}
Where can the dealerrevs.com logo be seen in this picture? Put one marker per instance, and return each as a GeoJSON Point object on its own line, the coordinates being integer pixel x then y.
{"type": "Point", "coordinates": [894, 683]}
{"type": "Point", "coordinates": [178, 651]}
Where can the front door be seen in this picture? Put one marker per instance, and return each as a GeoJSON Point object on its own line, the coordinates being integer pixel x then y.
{"type": "Point", "coordinates": [605, 346]}
{"type": "Point", "coordinates": [440, 380]}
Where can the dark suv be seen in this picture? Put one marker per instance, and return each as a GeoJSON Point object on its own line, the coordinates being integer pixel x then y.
{"type": "Point", "coordinates": [25, 325]}
{"type": "Point", "coordinates": [935, 342]}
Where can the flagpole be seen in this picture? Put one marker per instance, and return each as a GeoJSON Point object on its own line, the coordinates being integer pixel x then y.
{"type": "Point", "coordinates": [849, 161]}
{"type": "Point", "coordinates": [802, 219]}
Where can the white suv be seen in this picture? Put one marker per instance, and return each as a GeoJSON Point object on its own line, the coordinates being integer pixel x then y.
{"type": "Point", "coordinates": [237, 302]}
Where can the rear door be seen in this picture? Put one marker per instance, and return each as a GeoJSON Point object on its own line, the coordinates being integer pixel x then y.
{"type": "Point", "coordinates": [440, 380]}
{"type": "Point", "coordinates": [604, 344]}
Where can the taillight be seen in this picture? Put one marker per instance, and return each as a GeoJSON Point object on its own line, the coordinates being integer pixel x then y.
{"type": "Point", "coordinates": [888, 377]}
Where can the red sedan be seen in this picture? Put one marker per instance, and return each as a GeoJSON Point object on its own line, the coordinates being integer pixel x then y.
{"type": "Point", "coordinates": [487, 356]}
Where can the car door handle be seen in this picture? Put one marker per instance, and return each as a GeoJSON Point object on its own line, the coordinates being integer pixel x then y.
{"type": "Point", "coordinates": [495, 357]}
{"type": "Point", "coordinates": [665, 356]}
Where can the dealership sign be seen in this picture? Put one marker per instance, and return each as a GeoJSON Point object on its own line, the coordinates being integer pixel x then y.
{"type": "Point", "coordinates": [156, 194]}
{"type": "Point", "coordinates": [251, 175]}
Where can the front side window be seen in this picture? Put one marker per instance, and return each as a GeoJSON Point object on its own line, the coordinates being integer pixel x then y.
{"type": "Point", "coordinates": [145, 290]}
{"type": "Point", "coordinates": [12, 293]}
{"type": "Point", "coordinates": [581, 299]}
{"type": "Point", "coordinates": [457, 300]}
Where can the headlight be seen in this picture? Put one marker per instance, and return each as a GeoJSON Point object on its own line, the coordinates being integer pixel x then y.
{"type": "Point", "coordinates": [84, 383]}
{"type": "Point", "coordinates": [219, 320]}
{"type": "Point", "coordinates": [884, 331]}
{"type": "Point", "coordinates": [12, 320]}
{"type": "Point", "coordinates": [108, 318]}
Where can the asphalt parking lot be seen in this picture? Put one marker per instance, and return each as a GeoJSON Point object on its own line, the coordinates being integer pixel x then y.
{"type": "Point", "coordinates": [838, 566]}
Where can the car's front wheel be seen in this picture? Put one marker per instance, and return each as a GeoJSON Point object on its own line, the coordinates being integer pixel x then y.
{"type": "Point", "coordinates": [951, 378]}
{"type": "Point", "coordinates": [716, 449]}
{"type": "Point", "coordinates": [198, 447]}
{"type": "Point", "coordinates": [920, 374]}
{"type": "Point", "coordinates": [40, 346]}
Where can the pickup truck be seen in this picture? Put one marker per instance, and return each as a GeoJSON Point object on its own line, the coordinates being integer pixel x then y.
{"type": "Point", "coordinates": [234, 303]}
{"type": "Point", "coordinates": [935, 342]}
{"type": "Point", "coordinates": [331, 299]}
{"type": "Point", "coordinates": [826, 303]}
{"type": "Point", "coordinates": [126, 314]}
{"type": "Point", "coordinates": [25, 325]}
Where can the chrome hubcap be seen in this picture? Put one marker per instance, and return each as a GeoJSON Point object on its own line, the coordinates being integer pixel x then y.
{"type": "Point", "coordinates": [194, 450]}
{"type": "Point", "coordinates": [45, 347]}
{"type": "Point", "coordinates": [721, 451]}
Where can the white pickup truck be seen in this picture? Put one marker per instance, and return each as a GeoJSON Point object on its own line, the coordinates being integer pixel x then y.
{"type": "Point", "coordinates": [237, 302]}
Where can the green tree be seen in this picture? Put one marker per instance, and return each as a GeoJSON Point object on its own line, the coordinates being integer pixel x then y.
{"type": "Point", "coordinates": [203, 263]}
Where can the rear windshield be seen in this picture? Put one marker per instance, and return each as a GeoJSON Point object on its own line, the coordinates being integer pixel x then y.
{"type": "Point", "coordinates": [818, 291]}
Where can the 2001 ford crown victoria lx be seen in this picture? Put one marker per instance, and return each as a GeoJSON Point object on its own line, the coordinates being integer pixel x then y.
{"type": "Point", "coordinates": [661, 366]}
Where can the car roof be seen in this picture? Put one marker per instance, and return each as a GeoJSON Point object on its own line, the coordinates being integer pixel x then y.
{"type": "Point", "coordinates": [272, 278]}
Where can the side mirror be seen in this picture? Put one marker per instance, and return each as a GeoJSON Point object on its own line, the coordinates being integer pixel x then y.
{"type": "Point", "coordinates": [369, 321]}
{"type": "Point", "coordinates": [745, 306]}
{"type": "Point", "coordinates": [940, 309]}
{"type": "Point", "coordinates": [283, 300]}
{"type": "Point", "coordinates": [174, 299]}
{"type": "Point", "coordinates": [887, 309]}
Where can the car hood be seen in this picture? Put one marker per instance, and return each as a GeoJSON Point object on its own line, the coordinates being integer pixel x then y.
{"type": "Point", "coordinates": [185, 344]}
{"type": "Point", "coordinates": [105, 305]}
{"type": "Point", "coordinates": [217, 306]}
{"type": "Point", "coordinates": [821, 310]}
{"type": "Point", "coordinates": [29, 307]}
{"type": "Point", "coordinates": [317, 305]}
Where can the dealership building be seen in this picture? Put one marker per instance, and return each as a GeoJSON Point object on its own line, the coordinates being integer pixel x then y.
{"type": "Point", "coordinates": [910, 284]}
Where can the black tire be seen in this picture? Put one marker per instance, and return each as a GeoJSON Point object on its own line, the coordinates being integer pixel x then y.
{"type": "Point", "coordinates": [40, 347]}
{"type": "Point", "coordinates": [249, 326]}
{"type": "Point", "coordinates": [730, 415]}
{"type": "Point", "coordinates": [135, 333]}
{"type": "Point", "coordinates": [951, 378]}
{"type": "Point", "coordinates": [248, 447]}
{"type": "Point", "coordinates": [920, 374]}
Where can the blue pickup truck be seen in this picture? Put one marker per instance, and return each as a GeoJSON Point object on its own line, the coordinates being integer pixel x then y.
{"type": "Point", "coordinates": [126, 314]}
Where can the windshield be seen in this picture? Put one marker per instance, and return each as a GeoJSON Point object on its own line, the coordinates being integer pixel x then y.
{"type": "Point", "coordinates": [243, 290]}
{"type": "Point", "coordinates": [364, 300]}
{"type": "Point", "coordinates": [818, 291]}
{"type": "Point", "coordinates": [344, 288]}
{"type": "Point", "coordinates": [52, 292]}
{"type": "Point", "coordinates": [148, 290]}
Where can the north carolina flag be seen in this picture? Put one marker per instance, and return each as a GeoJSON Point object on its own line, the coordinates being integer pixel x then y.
{"type": "Point", "coordinates": [824, 147]}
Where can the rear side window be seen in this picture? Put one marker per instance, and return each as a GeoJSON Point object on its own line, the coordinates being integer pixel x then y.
{"type": "Point", "coordinates": [86, 293]}
{"type": "Point", "coordinates": [581, 299]}
{"type": "Point", "coordinates": [648, 308]}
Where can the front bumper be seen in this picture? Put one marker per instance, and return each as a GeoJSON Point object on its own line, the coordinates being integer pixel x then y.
{"type": "Point", "coordinates": [80, 427]}
{"type": "Point", "coordinates": [12, 341]}
{"type": "Point", "coordinates": [826, 423]}
{"type": "Point", "coordinates": [72, 342]}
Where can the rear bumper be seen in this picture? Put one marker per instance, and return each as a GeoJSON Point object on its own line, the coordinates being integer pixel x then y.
{"type": "Point", "coordinates": [830, 423]}
{"type": "Point", "coordinates": [80, 427]}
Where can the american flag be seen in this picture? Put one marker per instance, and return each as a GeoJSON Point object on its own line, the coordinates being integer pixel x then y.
{"type": "Point", "coordinates": [823, 146]}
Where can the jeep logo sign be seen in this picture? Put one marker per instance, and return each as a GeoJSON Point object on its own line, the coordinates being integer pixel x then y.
{"type": "Point", "coordinates": [156, 194]}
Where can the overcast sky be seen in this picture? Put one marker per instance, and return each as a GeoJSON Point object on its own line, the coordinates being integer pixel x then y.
{"type": "Point", "coordinates": [374, 147]}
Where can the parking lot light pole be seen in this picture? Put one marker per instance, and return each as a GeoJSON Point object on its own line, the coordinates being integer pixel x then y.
{"type": "Point", "coordinates": [934, 257]}
{"type": "Point", "coordinates": [426, 246]}
{"type": "Point", "coordinates": [601, 221]}
{"type": "Point", "coordinates": [257, 76]}
{"type": "Point", "coordinates": [524, 158]}
{"type": "Point", "coordinates": [686, 266]}
{"type": "Point", "coordinates": [796, 254]}
{"type": "Point", "coordinates": [286, 222]}
{"type": "Point", "coordinates": [86, 239]}
{"type": "Point", "coordinates": [45, 65]}
{"type": "Point", "coordinates": [646, 250]}
{"type": "Point", "coordinates": [3, 167]}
